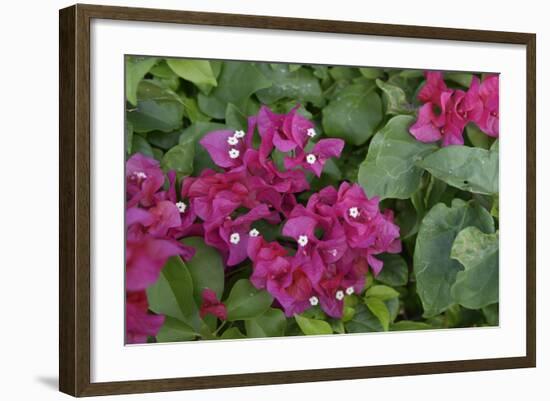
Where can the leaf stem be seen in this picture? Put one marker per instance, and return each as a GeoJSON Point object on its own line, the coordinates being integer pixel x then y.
{"type": "Point", "coordinates": [219, 328]}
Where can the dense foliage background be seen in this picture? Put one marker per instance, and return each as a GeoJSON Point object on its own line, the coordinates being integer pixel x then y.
{"type": "Point", "coordinates": [445, 199]}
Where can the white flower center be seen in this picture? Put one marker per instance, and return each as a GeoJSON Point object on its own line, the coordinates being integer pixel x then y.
{"type": "Point", "coordinates": [239, 134]}
{"type": "Point", "coordinates": [333, 252]}
{"type": "Point", "coordinates": [235, 238]}
{"type": "Point", "coordinates": [354, 212]}
{"type": "Point", "coordinates": [140, 174]}
{"type": "Point", "coordinates": [234, 153]}
{"type": "Point", "coordinates": [314, 301]}
{"type": "Point", "coordinates": [311, 158]}
{"type": "Point", "coordinates": [254, 233]}
{"type": "Point", "coordinates": [339, 295]}
{"type": "Point", "coordinates": [311, 132]}
{"type": "Point", "coordinates": [350, 290]}
{"type": "Point", "coordinates": [181, 207]}
{"type": "Point", "coordinates": [302, 240]}
{"type": "Point", "coordinates": [232, 140]}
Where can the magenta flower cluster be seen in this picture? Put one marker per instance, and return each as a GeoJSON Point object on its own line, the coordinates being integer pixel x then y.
{"type": "Point", "coordinates": [154, 223]}
{"type": "Point", "coordinates": [445, 112]}
{"type": "Point", "coordinates": [338, 235]}
{"type": "Point", "coordinates": [328, 246]}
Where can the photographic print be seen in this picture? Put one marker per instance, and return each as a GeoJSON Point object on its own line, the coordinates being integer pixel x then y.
{"type": "Point", "coordinates": [269, 199]}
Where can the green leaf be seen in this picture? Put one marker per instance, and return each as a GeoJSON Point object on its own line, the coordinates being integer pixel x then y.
{"type": "Point", "coordinates": [491, 314]}
{"type": "Point", "coordinates": [205, 267]}
{"type": "Point", "coordinates": [404, 325]}
{"type": "Point", "coordinates": [191, 110]}
{"type": "Point", "coordinates": [478, 138]}
{"type": "Point", "coordinates": [194, 133]}
{"type": "Point", "coordinates": [477, 285]}
{"type": "Point", "coordinates": [382, 292]}
{"type": "Point", "coordinates": [179, 158]}
{"type": "Point", "coordinates": [197, 71]}
{"type": "Point", "coordinates": [163, 140]}
{"type": "Point", "coordinates": [165, 76]}
{"type": "Point", "coordinates": [461, 78]}
{"type": "Point", "coordinates": [348, 313]}
{"type": "Point", "coordinates": [135, 70]}
{"type": "Point", "coordinates": [299, 85]}
{"type": "Point", "coordinates": [353, 114]}
{"type": "Point", "coordinates": [344, 73]}
{"type": "Point", "coordinates": [470, 169]}
{"type": "Point", "coordinates": [246, 302]}
{"type": "Point", "coordinates": [365, 321]}
{"type": "Point", "coordinates": [234, 118]}
{"type": "Point", "coordinates": [408, 74]}
{"type": "Point", "coordinates": [232, 334]}
{"type": "Point", "coordinates": [434, 269]}
{"type": "Point", "coordinates": [396, 98]}
{"type": "Point", "coordinates": [312, 327]}
{"type": "Point", "coordinates": [140, 145]}
{"type": "Point", "coordinates": [272, 323]}
{"type": "Point", "coordinates": [380, 310]}
{"type": "Point", "coordinates": [237, 82]}
{"type": "Point", "coordinates": [175, 330]}
{"type": "Point", "coordinates": [395, 271]}
{"type": "Point", "coordinates": [158, 154]}
{"type": "Point", "coordinates": [128, 136]}
{"type": "Point", "coordinates": [162, 70]}
{"type": "Point", "coordinates": [158, 109]}
{"type": "Point", "coordinates": [495, 206]}
{"type": "Point", "coordinates": [371, 73]}
{"type": "Point", "coordinates": [172, 294]}
{"type": "Point", "coordinates": [390, 170]}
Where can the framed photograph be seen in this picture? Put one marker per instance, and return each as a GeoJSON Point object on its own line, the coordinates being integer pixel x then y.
{"type": "Point", "coordinates": [250, 200]}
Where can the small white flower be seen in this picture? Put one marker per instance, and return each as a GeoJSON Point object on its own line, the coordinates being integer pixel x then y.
{"type": "Point", "coordinates": [239, 134]}
{"type": "Point", "coordinates": [235, 238]}
{"type": "Point", "coordinates": [354, 212]}
{"type": "Point", "coordinates": [140, 174]}
{"type": "Point", "coordinates": [302, 240]}
{"type": "Point", "coordinates": [232, 140]}
{"type": "Point", "coordinates": [234, 153]}
{"type": "Point", "coordinates": [311, 159]}
{"type": "Point", "coordinates": [181, 207]}
{"type": "Point", "coordinates": [254, 233]}
{"type": "Point", "coordinates": [314, 301]}
{"type": "Point", "coordinates": [333, 252]}
{"type": "Point", "coordinates": [350, 290]}
{"type": "Point", "coordinates": [311, 132]}
{"type": "Point", "coordinates": [339, 295]}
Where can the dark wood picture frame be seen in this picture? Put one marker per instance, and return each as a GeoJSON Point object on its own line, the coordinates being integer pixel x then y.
{"type": "Point", "coordinates": [74, 199]}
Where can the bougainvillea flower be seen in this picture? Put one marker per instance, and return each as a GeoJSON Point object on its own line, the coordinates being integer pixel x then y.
{"type": "Point", "coordinates": [265, 255]}
{"type": "Point", "coordinates": [298, 286]}
{"type": "Point", "coordinates": [302, 229]}
{"type": "Point", "coordinates": [290, 181]}
{"type": "Point", "coordinates": [139, 322]}
{"type": "Point", "coordinates": [216, 195]}
{"type": "Point", "coordinates": [143, 179]}
{"type": "Point", "coordinates": [290, 279]}
{"type": "Point", "coordinates": [488, 121]}
{"type": "Point", "coordinates": [430, 127]}
{"type": "Point", "coordinates": [467, 105]}
{"type": "Point", "coordinates": [227, 147]}
{"type": "Point", "coordinates": [146, 256]}
{"type": "Point", "coordinates": [211, 305]}
{"type": "Point", "coordinates": [285, 132]}
{"type": "Point", "coordinates": [433, 88]}
{"type": "Point", "coordinates": [425, 129]}
{"type": "Point", "coordinates": [157, 219]}
{"type": "Point", "coordinates": [316, 158]}
{"type": "Point", "coordinates": [231, 236]}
